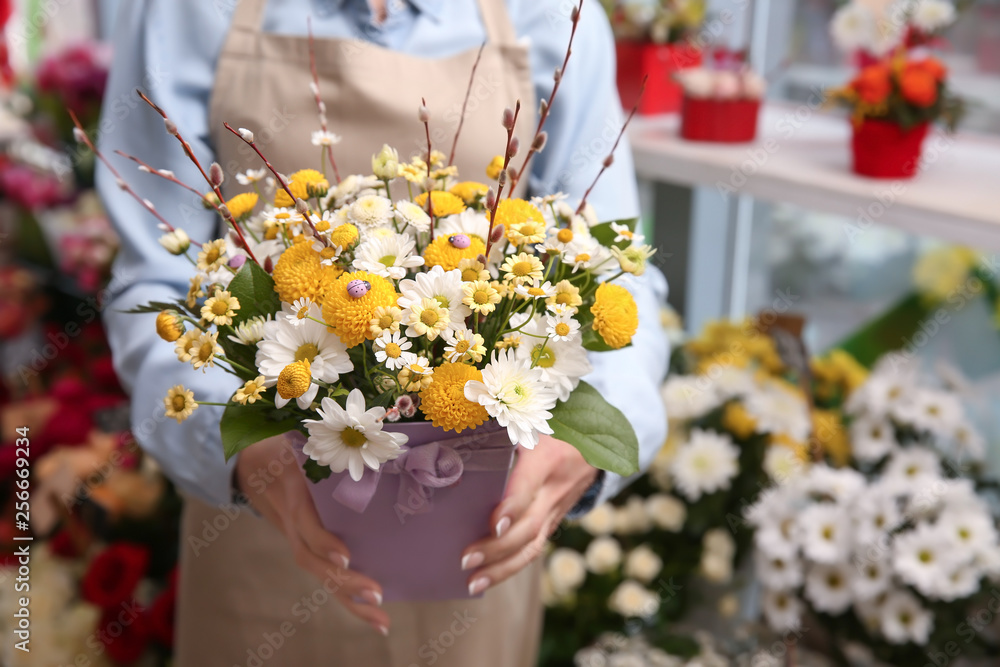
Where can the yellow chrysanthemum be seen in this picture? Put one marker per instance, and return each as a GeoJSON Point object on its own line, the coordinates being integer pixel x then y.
{"type": "Point", "coordinates": [221, 308]}
{"type": "Point", "coordinates": [524, 223]}
{"type": "Point", "coordinates": [837, 373]}
{"type": "Point", "coordinates": [944, 271]}
{"type": "Point", "coordinates": [469, 191]}
{"type": "Point", "coordinates": [350, 318]}
{"type": "Point", "coordinates": [443, 402]}
{"type": "Point", "coordinates": [300, 273]}
{"type": "Point", "coordinates": [179, 403]}
{"type": "Point", "coordinates": [250, 392]}
{"type": "Point", "coordinates": [443, 203]}
{"type": "Point", "coordinates": [494, 167]}
{"type": "Point", "coordinates": [169, 326]}
{"type": "Point", "coordinates": [300, 183]}
{"type": "Point", "coordinates": [616, 317]}
{"type": "Point", "coordinates": [567, 294]}
{"type": "Point", "coordinates": [344, 236]}
{"type": "Point", "coordinates": [441, 252]}
{"type": "Point", "coordinates": [242, 205]}
{"type": "Point", "coordinates": [294, 379]}
{"type": "Point", "coordinates": [738, 421]}
{"type": "Point", "coordinates": [830, 435]}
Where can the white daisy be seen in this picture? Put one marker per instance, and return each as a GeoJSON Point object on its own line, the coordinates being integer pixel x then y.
{"type": "Point", "coordinates": [388, 256]}
{"type": "Point", "coordinates": [904, 619]}
{"type": "Point", "coordinates": [324, 138]}
{"type": "Point", "coordinates": [463, 344]}
{"type": "Point", "coordinates": [391, 350]}
{"type": "Point", "coordinates": [871, 578]}
{"type": "Point", "coordinates": [706, 463]}
{"type": "Point", "coordinates": [301, 309]}
{"type": "Point", "coordinates": [961, 582]}
{"type": "Point", "coordinates": [285, 342]}
{"type": "Point", "coordinates": [514, 394]}
{"type": "Point", "coordinates": [249, 331]}
{"type": "Point", "coordinates": [562, 363]}
{"type": "Point", "coordinates": [408, 214]}
{"type": "Point", "coordinates": [936, 411]}
{"type": "Point", "coordinates": [914, 466]}
{"type": "Point", "coordinates": [731, 381]}
{"type": "Point", "coordinates": [877, 514]}
{"type": "Point", "coordinates": [774, 514]}
{"type": "Point", "coordinates": [251, 176]}
{"type": "Point", "coordinates": [777, 572]}
{"type": "Point", "coordinates": [689, 396]}
{"type": "Point", "coordinates": [871, 439]}
{"type": "Point", "coordinates": [350, 188]}
{"type": "Point", "coordinates": [623, 233]}
{"type": "Point", "coordinates": [370, 211]}
{"type": "Point", "coordinates": [427, 318]}
{"type": "Point", "coordinates": [854, 27]}
{"type": "Point", "coordinates": [882, 395]}
{"type": "Point", "coordinates": [561, 327]}
{"type": "Point", "coordinates": [932, 15]}
{"type": "Point", "coordinates": [586, 252]}
{"type": "Point", "coordinates": [536, 290]}
{"type": "Point", "coordinates": [443, 286]}
{"type": "Point", "coordinates": [352, 438]}
{"type": "Point", "coordinates": [780, 410]}
{"type": "Point", "coordinates": [838, 484]}
{"type": "Point", "coordinates": [782, 609]}
{"type": "Point", "coordinates": [824, 531]}
{"type": "Point", "coordinates": [782, 464]}
{"type": "Point", "coordinates": [828, 587]}
{"type": "Point", "coordinates": [924, 555]}
{"type": "Point", "coordinates": [972, 530]}
{"type": "Point", "coordinates": [966, 444]}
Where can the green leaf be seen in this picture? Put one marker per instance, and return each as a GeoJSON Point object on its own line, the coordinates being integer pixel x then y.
{"type": "Point", "coordinates": [316, 471]}
{"type": "Point", "coordinates": [605, 235]}
{"type": "Point", "coordinates": [243, 425]}
{"type": "Point", "coordinates": [598, 429]}
{"type": "Point", "coordinates": [592, 340]}
{"type": "Point", "coordinates": [255, 289]}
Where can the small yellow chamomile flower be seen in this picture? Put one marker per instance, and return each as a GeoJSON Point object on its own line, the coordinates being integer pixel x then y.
{"type": "Point", "coordinates": [391, 350]}
{"type": "Point", "coordinates": [385, 163]}
{"type": "Point", "coordinates": [536, 290]}
{"type": "Point", "coordinates": [169, 326]}
{"type": "Point", "coordinates": [344, 236]}
{"type": "Point", "coordinates": [300, 272]}
{"type": "Point", "coordinates": [442, 203]}
{"type": "Point", "coordinates": [426, 317]}
{"type": "Point", "coordinates": [385, 318]}
{"type": "Point", "coordinates": [623, 233]}
{"type": "Point", "coordinates": [294, 379]}
{"type": "Point", "coordinates": [469, 191]}
{"type": "Point", "coordinates": [522, 268]}
{"type": "Point", "coordinates": [502, 288]}
{"type": "Point", "coordinates": [212, 255]}
{"type": "Point", "coordinates": [450, 171]}
{"type": "Point", "coordinates": [176, 242]}
{"type": "Point", "coordinates": [738, 421]}
{"type": "Point", "coordinates": [184, 346]}
{"type": "Point", "coordinates": [416, 375]}
{"type": "Point", "coordinates": [494, 167]}
{"type": "Point", "coordinates": [179, 403]}
{"type": "Point", "coordinates": [300, 184]}
{"type": "Point", "coordinates": [448, 251]}
{"type": "Point", "coordinates": [204, 349]}
{"type": "Point", "coordinates": [561, 327]}
{"type": "Point", "coordinates": [472, 270]}
{"type": "Point", "coordinates": [510, 341]}
{"type": "Point", "coordinates": [567, 294]}
{"type": "Point", "coordinates": [524, 223]}
{"type": "Point", "coordinates": [480, 296]}
{"type": "Point", "coordinates": [414, 172]}
{"type": "Point", "coordinates": [464, 345]}
{"type": "Point", "coordinates": [241, 206]}
{"type": "Point", "coordinates": [250, 392]}
{"type": "Point", "coordinates": [221, 308]}
{"type": "Point", "coordinates": [349, 305]}
{"type": "Point", "coordinates": [616, 317]}
{"type": "Point", "coordinates": [633, 258]}
{"type": "Point", "coordinates": [527, 232]}
{"type": "Point", "coordinates": [443, 402]}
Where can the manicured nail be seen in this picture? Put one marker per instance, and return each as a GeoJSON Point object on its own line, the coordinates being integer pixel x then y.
{"type": "Point", "coordinates": [373, 597]}
{"type": "Point", "coordinates": [479, 585]}
{"type": "Point", "coordinates": [502, 526]}
{"type": "Point", "coordinates": [341, 558]}
{"type": "Point", "coordinates": [475, 559]}
{"type": "Point", "coordinates": [384, 630]}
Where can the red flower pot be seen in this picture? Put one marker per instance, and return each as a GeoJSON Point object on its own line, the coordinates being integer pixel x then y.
{"type": "Point", "coordinates": [883, 149]}
{"type": "Point", "coordinates": [659, 62]}
{"type": "Point", "coordinates": [725, 121]}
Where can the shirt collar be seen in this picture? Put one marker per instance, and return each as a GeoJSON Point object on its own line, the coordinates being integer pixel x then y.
{"type": "Point", "coordinates": [430, 7]}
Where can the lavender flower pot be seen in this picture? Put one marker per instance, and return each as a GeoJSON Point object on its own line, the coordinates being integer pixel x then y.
{"type": "Point", "coordinates": [407, 525]}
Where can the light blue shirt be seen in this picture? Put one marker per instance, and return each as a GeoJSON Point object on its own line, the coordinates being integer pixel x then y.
{"type": "Point", "coordinates": [170, 48]}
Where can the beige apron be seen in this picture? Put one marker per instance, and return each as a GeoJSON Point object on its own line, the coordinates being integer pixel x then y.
{"type": "Point", "coordinates": [243, 601]}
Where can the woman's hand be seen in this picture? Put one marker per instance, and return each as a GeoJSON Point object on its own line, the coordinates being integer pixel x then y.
{"type": "Point", "coordinates": [284, 500]}
{"type": "Point", "coordinates": [545, 484]}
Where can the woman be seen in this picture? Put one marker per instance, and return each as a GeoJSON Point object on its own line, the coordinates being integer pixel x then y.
{"type": "Point", "coordinates": [243, 599]}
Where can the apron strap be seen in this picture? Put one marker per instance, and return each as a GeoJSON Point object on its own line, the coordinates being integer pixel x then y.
{"type": "Point", "coordinates": [496, 21]}
{"type": "Point", "coordinates": [249, 15]}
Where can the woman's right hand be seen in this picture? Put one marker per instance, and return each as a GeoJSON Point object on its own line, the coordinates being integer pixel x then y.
{"type": "Point", "coordinates": [284, 500]}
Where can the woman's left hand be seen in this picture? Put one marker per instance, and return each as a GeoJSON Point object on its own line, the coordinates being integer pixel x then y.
{"type": "Point", "coordinates": [545, 484]}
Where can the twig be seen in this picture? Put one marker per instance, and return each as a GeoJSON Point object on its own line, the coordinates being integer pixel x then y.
{"type": "Point", "coordinates": [611, 155]}
{"type": "Point", "coordinates": [465, 103]}
{"type": "Point", "coordinates": [503, 176]}
{"type": "Point", "coordinates": [546, 106]}
{"type": "Point", "coordinates": [148, 168]}
{"type": "Point", "coordinates": [320, 105]}
{"type": "Point", "coordinates": [425, 118]}
{"type": "Point", "coordinates": [215, 187]}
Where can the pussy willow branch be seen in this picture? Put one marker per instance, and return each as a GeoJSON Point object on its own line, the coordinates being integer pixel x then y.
{"type": "Point", "coordinates": [218, 191]}
{"type": "Point", "coordinates": [465, 103]}
{"type": "Point", "coordinates": [611, 155]}
{"type": "Point", "coordinates": [150, 169]}
{"type": "Point", "coordinates": [280, 179]}
{"type": "Point", "coordinates": [320, 105]}
{"type": "Point", "coordinates": [430, 200]}
{"type": "Point", "coordinates": [81, 135]}
{"type": "Point", "coordinates": [547, 107]}
{"type": "Point", "coordinates": [501, 178]}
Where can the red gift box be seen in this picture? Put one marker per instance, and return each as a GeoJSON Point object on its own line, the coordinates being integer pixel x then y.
{"type": "Point", "coordinates": [883, 149]}
{"type": "Point", "coordinates": [727, 121]}
{"type": "Point", "coordinates": [659, 62]}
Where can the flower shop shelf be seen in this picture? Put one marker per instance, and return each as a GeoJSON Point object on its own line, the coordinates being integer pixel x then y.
{"type": "Point", "coordinates": [802, 156]}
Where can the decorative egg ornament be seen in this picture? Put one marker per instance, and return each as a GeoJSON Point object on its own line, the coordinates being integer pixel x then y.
{"type": "Point", "coordinates": [358, 288]}
{"type": "Point", "coordinates": [460, 241]}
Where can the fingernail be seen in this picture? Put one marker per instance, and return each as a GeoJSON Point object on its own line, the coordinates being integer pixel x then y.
{"type": "Point", "coordinates": [373, 597]}
{"type": "Point", "coordinates": [502, 525]}
{"type": "Point", "coordinates": [475, 559]}
{"type": "Point", "coordinates": [384, 630]}
{"type": "Point", "coordinates": [479, 585]}
{"type": "Point", "coordinates": [344, 561]}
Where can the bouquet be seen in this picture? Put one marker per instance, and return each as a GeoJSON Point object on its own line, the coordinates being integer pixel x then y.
{"type": "Point", "coordinates": [870, 31]}
{"type": "Point", "coordinates": [661, 22]}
